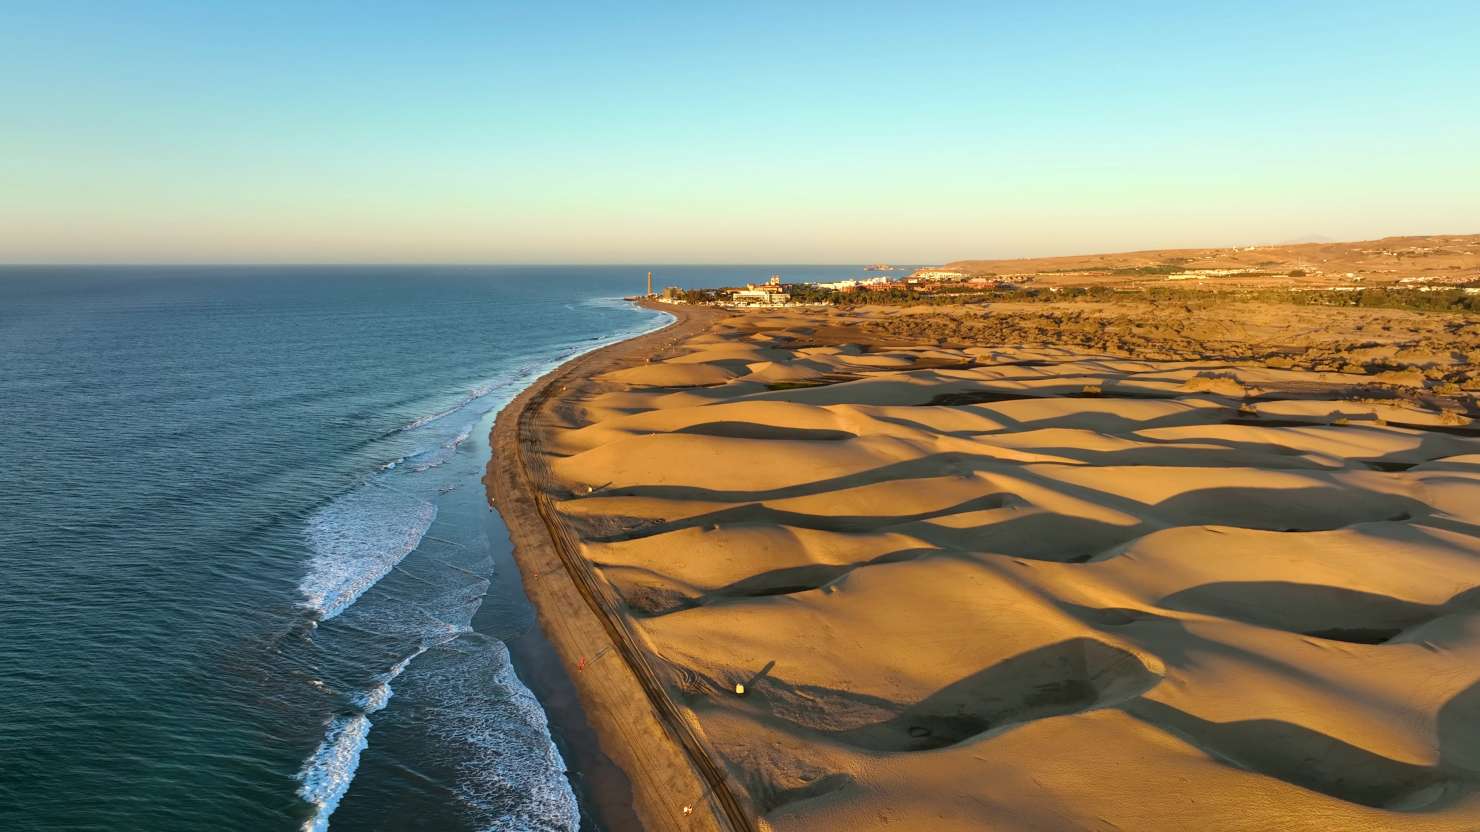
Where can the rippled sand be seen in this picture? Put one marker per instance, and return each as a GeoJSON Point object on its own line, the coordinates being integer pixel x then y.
{"type": "Point", "coordinates": [1037, 588]}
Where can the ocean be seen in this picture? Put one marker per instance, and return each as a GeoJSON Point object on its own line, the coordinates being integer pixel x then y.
{"type": "Point", "coordinates": [249, 578]}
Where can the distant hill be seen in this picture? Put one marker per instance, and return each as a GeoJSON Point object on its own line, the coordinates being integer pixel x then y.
{"type": "Point", "coordinates": [1438, 258]}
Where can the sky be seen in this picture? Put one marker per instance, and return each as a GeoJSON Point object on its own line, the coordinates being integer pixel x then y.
{"type": "Point", "coordinates": [915, 132]}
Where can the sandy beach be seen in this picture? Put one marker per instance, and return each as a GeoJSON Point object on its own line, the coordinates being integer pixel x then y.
{"type": "Point", "coordinates": [641, 762]}
{"type": "Point", "coordinates": [1032, 569]}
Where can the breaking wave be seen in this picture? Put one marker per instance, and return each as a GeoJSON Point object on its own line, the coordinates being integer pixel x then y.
{"type": "Point", "coordinates": [326, 775]}
{"type": "Point", "coordinates": [489, 728]}
{"type": "Point", "coordinates": [510, 775]}
{"type": "Point", "coordinates": [358, 539]}
{"type": "Point", "coordinates": [473, 395]}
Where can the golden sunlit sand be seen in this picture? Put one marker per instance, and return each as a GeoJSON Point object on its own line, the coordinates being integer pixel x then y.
{"type": "Point", "coordinates": [950, 585]}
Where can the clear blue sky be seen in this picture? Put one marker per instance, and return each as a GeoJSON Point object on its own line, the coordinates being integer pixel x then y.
{"type": "Point", "coordinates": [747, 132]}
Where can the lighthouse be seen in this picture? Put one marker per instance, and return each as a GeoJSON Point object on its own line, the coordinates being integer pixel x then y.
{"type": "Point", "coordinates": [650, 284]}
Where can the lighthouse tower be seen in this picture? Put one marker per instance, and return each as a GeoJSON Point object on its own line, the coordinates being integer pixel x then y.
{"type": "Point", "coordinates": [650, 284]}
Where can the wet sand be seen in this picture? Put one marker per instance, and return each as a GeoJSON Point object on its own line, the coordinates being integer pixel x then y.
{"type": "Point", "coordinates": [637, 761]}
{"type": "Point", "coordinates": [974, 576]}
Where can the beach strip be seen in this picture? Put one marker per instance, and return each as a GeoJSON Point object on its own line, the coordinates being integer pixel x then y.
{"type": "Point", "coordinates": [671, 780]}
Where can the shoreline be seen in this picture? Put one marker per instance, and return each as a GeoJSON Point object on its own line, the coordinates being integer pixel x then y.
{"type": "Point", "coordinates": [652, 771]}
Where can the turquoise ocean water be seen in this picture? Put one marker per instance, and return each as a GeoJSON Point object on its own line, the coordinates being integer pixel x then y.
{"type": "Point", "coordinates": [248, 574]}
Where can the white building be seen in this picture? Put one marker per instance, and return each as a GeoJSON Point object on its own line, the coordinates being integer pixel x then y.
{"type": "Point", "coordinates": [851, 283]}
{"type": "Point", "coordinates": [756, 297]}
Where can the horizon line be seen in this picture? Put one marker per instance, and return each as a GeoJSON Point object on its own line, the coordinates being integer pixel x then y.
{"type": "Point", "coordinates": [412, 264]}
{"type": "Point", "coordinates": [680, 264]}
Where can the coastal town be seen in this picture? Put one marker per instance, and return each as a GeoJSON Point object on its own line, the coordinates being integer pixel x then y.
{"type": "Point", "coordinates": [1411, 265]}
{"type": "Point", "coordinates": [776, 293]}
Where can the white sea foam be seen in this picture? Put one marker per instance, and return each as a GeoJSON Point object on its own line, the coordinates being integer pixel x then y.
{"type": "Point", "coordinates": [613, 302]}
{"type": "Point", "coordinates": [374, 699]}
{"type": "Point", "coordinates": [433, 459]}
{"type": "Point", "coordinates": [473, 395]}
{"type": "Point", "coordinates": [327, 774]}
{"type": "Point", "coordinates": [440, 455]}
{"type": "Point", "coordinates": [510, 774]}
{"type": "Point", "coordinates": [358, 539]}
{"type": "Point", "coordinates": [460, 438]}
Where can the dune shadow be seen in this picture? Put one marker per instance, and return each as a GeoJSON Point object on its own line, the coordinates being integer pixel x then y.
{"type": "Point", "coordinates": [806, 578]}
{"type": "Point", "coordinates": [1074, 391]}
{"type": "Point", "coordinates": [925, 467]}
{"type": "Point", "coordinates": [1311, 508]}
{"type": "Point", "coordinates": [1327, 612]}
{"type": "Point", "coordinates": [1109, 616]}
{"type": "Point", "coordinates": [1452, 430]}
{"type": "Point", "coordinates": [1053, 680]}
{"type": "Point", "coordinates": [1169, 455]}
{"type": "Point", "coordinates": [758, 430]}
{"type": "Point", "coordinates": [1007, 526]}
{"type": "Point", "coordinates": [759, 514]}
{"type": "Point", "coordinates": [769, 799]}
{"type": "Point", "coordinates": [648, 593]}
{"type": "Point", "coordinates": [1309, 759]}
{"type": "Point", "coordinates": [1459, 731]}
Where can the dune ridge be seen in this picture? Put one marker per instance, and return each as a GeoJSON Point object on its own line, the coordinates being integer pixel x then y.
{"type": "Point", "coordinates": [1018, 587]}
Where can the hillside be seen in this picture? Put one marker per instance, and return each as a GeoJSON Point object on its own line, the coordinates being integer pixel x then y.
{"type": "Point", "coordinates": [1435, 259]}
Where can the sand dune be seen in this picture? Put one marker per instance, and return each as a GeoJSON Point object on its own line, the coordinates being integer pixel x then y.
{"type": "Point", "coordinates": [1041, 588]}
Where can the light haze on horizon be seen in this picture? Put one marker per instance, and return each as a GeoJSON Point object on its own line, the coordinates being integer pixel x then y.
{"type": "Point", "coordinates": [234, 132]}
